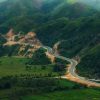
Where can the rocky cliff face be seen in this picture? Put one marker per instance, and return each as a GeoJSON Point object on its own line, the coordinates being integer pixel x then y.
{"type": "Point", "coordinates": [24, 45]}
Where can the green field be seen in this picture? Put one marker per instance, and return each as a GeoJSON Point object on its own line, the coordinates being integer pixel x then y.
{"type": "Point", "coordinates": [38, 88]}
{"type": "Point", "coordinates": [16, 66]}
{"type": "Point", "coordinates": [84, 94]}
{"type": "Point", "coordinates": [69, 91]}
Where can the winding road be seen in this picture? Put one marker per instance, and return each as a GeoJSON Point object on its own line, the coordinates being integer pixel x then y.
{"type": "Point", "coordinates": [71, 70]}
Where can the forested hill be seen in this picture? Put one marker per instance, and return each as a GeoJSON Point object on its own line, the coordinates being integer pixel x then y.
{"type": "Point", "coordinates": [26, 15]}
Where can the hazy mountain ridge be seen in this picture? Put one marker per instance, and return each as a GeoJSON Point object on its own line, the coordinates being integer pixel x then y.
{"type": "Point", "coordinates": [93, 3]}
{"type": "Point", "coordinates": [18, 14]}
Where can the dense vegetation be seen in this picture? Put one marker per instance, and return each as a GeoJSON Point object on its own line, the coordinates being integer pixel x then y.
{"type": "Point", "coordinates": [39, 58]}
{"type": "Point", "coordinates": [19, 87]}
{"type": "Point", "coordinates": [89, 66]}
{"type": "Point", "coordinates": [27, 15]}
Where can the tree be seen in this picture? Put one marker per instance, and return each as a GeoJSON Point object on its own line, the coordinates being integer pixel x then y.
{"type": "Point", "coordinates": [39, 58]}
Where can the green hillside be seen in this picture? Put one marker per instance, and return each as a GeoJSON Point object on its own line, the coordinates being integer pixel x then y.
{"type": "Point", "coordinates": [29, 15]}
{"type": "Point", "coordinates": [89, 65]}
{"type": "Point", "coordinates": [76, 24]}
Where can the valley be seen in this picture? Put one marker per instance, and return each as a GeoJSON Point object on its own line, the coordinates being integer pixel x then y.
{"type": "Point", "coordinates": [18, 67]}
{"type": "Point", "coordinates": [49, 50]}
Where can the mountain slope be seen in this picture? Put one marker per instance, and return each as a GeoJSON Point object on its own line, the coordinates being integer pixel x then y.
{"type": "Point", "coordinates": [33, 13]}
{"type": "Point", "coordinates": [90, 63]}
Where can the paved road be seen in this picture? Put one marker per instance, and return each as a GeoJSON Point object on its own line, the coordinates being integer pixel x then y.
{"type": "Point", "coordinates": [71, 70]}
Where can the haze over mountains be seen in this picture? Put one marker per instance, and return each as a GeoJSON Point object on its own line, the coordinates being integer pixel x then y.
{"type": "Point", "coordinates": [75, 23]}
{"type": "Point", "coordinates": [94, 3]}
{"type": "Point", "coordinates": [2, 0]}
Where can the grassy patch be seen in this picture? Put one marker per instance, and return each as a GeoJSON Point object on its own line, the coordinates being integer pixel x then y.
{"type": "Point", "coordinates": [16, 66]}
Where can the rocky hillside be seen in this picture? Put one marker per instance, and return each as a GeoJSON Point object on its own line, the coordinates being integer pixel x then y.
{"type": "Point", "coordinates": [19, 44]}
